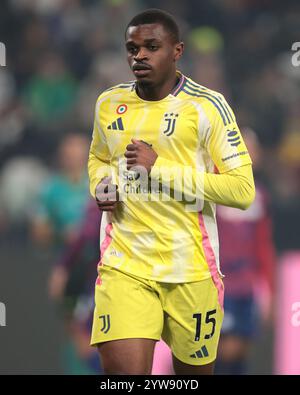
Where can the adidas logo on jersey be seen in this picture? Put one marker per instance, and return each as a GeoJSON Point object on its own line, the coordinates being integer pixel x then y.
{"type": "Point", "coordinates": [116, 125]}
{"type": "Point", "coordinates": [200, 353]}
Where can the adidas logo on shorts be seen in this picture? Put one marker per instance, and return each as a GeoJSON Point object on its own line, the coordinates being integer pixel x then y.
{"type": "Point", "coordinates": [200, 353]}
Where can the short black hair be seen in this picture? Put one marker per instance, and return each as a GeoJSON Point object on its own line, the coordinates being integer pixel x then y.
{"type": "Point", "coordinates": [155, 15]}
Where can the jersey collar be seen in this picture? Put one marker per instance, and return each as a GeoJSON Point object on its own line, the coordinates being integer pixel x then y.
{"type": "Point", "coordinates": [178, 88]}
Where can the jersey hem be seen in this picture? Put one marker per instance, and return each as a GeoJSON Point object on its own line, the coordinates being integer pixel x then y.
{"type": "Point", "coordinates": [197, 362]}
{"type": "Point", "coordinates": [151, 278]}
{"type": "Point", "coordinates": [94, 343]}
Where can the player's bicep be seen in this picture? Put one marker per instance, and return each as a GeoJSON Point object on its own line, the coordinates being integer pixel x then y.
{"type": "Point", "coordinates": [99, 147]}
{"type": "Point", "coordinates": [99, 154]}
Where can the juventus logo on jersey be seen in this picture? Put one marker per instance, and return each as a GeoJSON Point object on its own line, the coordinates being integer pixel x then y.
{"type": "Point", "coordinates": [106, 323]}
{"type": "Point", "coordinates": [170, 119]}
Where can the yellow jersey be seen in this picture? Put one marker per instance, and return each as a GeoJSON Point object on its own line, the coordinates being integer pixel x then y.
{"type": "Point", "coordinates": [164, 236]}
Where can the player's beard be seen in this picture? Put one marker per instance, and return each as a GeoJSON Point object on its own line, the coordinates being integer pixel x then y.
{"type": "Point", "coordinates": [144, 83]}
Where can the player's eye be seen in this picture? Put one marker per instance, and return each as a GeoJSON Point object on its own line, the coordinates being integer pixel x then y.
{"type": "Point", "coordinates": [132, 50]}
{"type": "Point", "coordinates": [153, 47]}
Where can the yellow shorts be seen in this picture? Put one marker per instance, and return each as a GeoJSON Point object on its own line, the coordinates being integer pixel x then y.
{"type": "Point", "coordinates": [188, 317]}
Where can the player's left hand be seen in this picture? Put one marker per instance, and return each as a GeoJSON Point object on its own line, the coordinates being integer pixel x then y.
{"type": "Point", "coordinates": [140, 153]}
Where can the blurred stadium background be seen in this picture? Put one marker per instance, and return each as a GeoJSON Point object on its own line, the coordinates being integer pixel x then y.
{"type": "Point", "coordinates": [60, 55]}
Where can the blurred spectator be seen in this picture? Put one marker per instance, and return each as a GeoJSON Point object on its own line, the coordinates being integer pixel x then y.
{"type": "Point", "coordinates": [56, 224]}
{"type": "Point", "coordinates": [11, 124]}
{"type": "Point", "coordinates": [50, 93]}
{"type": "Point", "coordinates": [80, 257]}
{"type": "Point", "coordinates": [206, 46]}
{"type": "Point", "coordinates": [286, 190]}
{"type": "Point", "coordinates": [20, 182]}
{"type": "Point", "coordinates": [64, 196]}
{"type": "Point", "coordinates": [248, 262]}
{"type": "Point", "coordinates": [7, 91]}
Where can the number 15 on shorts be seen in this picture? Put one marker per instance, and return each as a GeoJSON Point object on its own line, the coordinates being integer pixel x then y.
{"type": "Point", "coordinates": [209, 319]}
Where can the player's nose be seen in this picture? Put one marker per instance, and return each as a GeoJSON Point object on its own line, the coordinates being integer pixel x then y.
{"type": "Point", "coordinates": [141, 55]}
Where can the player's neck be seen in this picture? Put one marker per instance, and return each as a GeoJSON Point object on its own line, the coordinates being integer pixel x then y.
{"type": "Point", "coordinates": [158, 92]}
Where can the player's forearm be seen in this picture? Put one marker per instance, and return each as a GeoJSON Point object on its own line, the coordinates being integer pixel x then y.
{"type": "Point", "coordinates": [97, 169]}
{"type": "Point", "coordinates": [234, 188]}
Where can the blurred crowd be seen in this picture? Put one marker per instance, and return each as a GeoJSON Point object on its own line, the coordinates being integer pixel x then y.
{"type": "Point", "coordinates": [61, 54]}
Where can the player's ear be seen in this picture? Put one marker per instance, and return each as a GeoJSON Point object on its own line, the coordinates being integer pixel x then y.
{"type": "Point", "coordinates": [178, 51]}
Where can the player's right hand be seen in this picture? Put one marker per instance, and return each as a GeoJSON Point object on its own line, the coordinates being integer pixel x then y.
{"type": "Point", "coordinates": [107, 195]}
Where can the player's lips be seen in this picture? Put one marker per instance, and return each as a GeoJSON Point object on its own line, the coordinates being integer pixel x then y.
{"type": "Point", "coordinates": [141, 73]}
{"type": "Point", "coordinates": [141, 70]}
